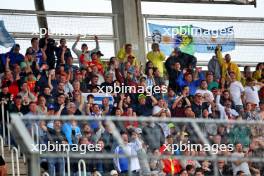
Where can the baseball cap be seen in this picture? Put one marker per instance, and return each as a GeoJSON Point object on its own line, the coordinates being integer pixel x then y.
{"type": "Point", "coordinates": [141, 96]}
{"type": "Point", "coordinates": [138, 130]}
{"type": "Point", "coordinates": [99, 53]}
{"type": "Point", "coordinates": [171, 125]}
{"type": "Point", "coordinates": [51, 107]}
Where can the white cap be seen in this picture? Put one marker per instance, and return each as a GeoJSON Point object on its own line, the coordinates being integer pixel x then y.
{"type": "Point", "coordinates": [113, 172]}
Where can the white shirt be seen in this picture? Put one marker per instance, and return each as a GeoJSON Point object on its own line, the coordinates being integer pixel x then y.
{"type": "Point", "coordinates": [252, 95]}
{"type": "Point", "coordinates": [236, 90]}
{"type": "Point", "coordinates": [204, 92]}
{"type": "Point", "coordinates": [241, 167]}
{"type": "Point", "coordinates": [157, 109]}
{"type": "Point", "coordinates": [129, 149]}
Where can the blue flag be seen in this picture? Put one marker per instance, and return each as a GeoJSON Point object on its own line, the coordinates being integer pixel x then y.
{"type": "Point", "coordinates": [191, 39]}
{"type": "Point", "coordinates": [205, 41]}
{"type": "Point", "coordinates": [6, 39]}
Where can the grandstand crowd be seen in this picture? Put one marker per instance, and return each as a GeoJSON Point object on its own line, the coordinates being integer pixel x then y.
{"type": "Point", "coordinates": [45, 81]}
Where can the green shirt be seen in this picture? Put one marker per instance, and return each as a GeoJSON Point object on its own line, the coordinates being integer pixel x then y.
{"type": "Point", "coordinates": [212, 84]}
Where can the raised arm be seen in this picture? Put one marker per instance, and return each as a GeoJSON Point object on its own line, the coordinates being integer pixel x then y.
{"type": "Point", "coordinates": [74, 49]}
{"type": "Point", "coordinates": [219, 55]}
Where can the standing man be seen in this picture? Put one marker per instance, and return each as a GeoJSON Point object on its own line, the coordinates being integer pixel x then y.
{"type": "Point", "coordinates": [236, 92]}
{"type": "Point", "coordinates": [123, 164]}
{"type": "Point", "coordinates": [84, 55]}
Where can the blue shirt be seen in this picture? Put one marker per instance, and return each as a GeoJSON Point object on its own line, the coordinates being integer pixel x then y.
{"type": "Point", "coordinates": [14, 58]}
{"type": "Point", "coordinates": [192, 85]}
{"type": "Point", "coordinates": [67, 130]}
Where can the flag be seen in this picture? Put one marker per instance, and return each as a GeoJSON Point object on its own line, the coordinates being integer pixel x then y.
{"type": "Point", "coordinates": [191, 39]}
{"type": "Point", "coordinates": [6, 39]}
{"type": "Point", "coordinates": [98, 97]}
{"type": "Point", "coordinates": [184, 40]}
{"type": "Point", "coordinates": [205, 40]}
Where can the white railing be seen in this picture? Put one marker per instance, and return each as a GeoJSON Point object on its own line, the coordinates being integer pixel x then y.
{"type": "Point", "coordinates": [68, 164]}
{"type": "Point", "coordinates": [3, 119]}
{"type": "Point", "coordinates": [34, 128]}
{"type": "Point", "coordinates": [45, 174]}
{"type": "Point", "coordinates": [8, 131]}
{"type": "Point", "coordinates": [2, 147]}
{"type": "Point", "coordinates": [81, 164]}
{"type": "Point", "coordinates": [14, 149]}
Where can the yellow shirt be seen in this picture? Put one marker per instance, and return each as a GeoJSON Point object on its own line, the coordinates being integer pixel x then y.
{"type": "Point", "coordinates": [257, 75]}
{"type": "Point", "coordinates": [157, 59]}
{"type": "Point", "coordinates": [228, 66]}
{"type": "Point", "coordinates": [122, 56]}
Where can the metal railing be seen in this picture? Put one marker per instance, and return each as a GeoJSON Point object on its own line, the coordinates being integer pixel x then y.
{"type": "Point", "coordinates": [2, 147]}
{"type": "Point", "coordinates": [193, 122]}
{"type": "Point", "coordinates": [35, 133]}
{"type": "Point", "coordinates": [15, 150]}
{"type": "Point", "coordinates": [81, 163]}
{"type": "Point", "coordinates": [45, 174]}
{"type": "Point", "coordinates": [3, 120]}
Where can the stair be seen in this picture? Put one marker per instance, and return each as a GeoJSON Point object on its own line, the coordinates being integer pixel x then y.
{"type": "Point", "coordinates": [8, 160]}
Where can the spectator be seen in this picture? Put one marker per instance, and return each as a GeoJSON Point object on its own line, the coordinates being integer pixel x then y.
{"type": "Point", "coordinates": [122, 164]}
{"type": "Point", "coordinates": [84, 55]}
{"type": "Point", "coordinates": [227, 66]}
{"type": "Point", "coordinates": [185, 60]}
{"type": "Point", "coordinates": [41, 57]}
{"type": "Point", "coordinates": [186, 79]}
{"type": "Point", "coordinates": [214, 68]}
{"type": "Point", "coordinates": [62, 49]}
{"type": "Point", "coordinates": [156, 57]}
{"type": "Point", "coordinates": [210, 81]}
{"type": "Point", "coordinates": [251, 91]}
{"type": "Point", "coordinates": [153, 136]}
{"type": "Point", "coordinates": [240, 165]}
{"type": "Point", "coordinates": [258, 74]}
{"type": "Point", "coordinates": [125, 54]}
{"type": "Point", "coordinates": [236, 92]}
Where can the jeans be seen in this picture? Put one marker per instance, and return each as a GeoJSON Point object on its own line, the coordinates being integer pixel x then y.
{"type": "Point", "coordinates": [56, 166]}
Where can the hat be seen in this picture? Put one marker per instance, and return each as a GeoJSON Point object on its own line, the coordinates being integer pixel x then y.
{"type": "Point", "coordinates": [141, 96]}
{"type": "Point", "coordinates": [51, 107]}
{"type": "Point", "coordinates": [171, 125]}
{"type": "Point", "coordinates": [138, 130]}
{"type": "Point", "coordinates": [99, 53]}
{"type": "Point", "coordinates": [113, 172]}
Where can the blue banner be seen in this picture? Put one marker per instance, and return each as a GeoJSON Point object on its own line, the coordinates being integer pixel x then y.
{"type": "Point", "coordinates": [6, 39]}
{"type": "Point", "coordinates": [191, 39]}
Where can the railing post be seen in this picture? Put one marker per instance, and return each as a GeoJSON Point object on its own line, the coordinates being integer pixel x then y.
{"type": "Point", "coordinates": [3, 119]}
{"type": "Point", "coordinates": [2, 147]}
{"type": "Point", "coordinates": [14, 149]}
{"type": "Point", "coordinates": [81, 163]}
{"type": "Point", "coordinates": [8, 131]}
{"type": "Point", "coordinates": [68, 164]}
{"type": "Point", "coordinates": [45, 174]}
